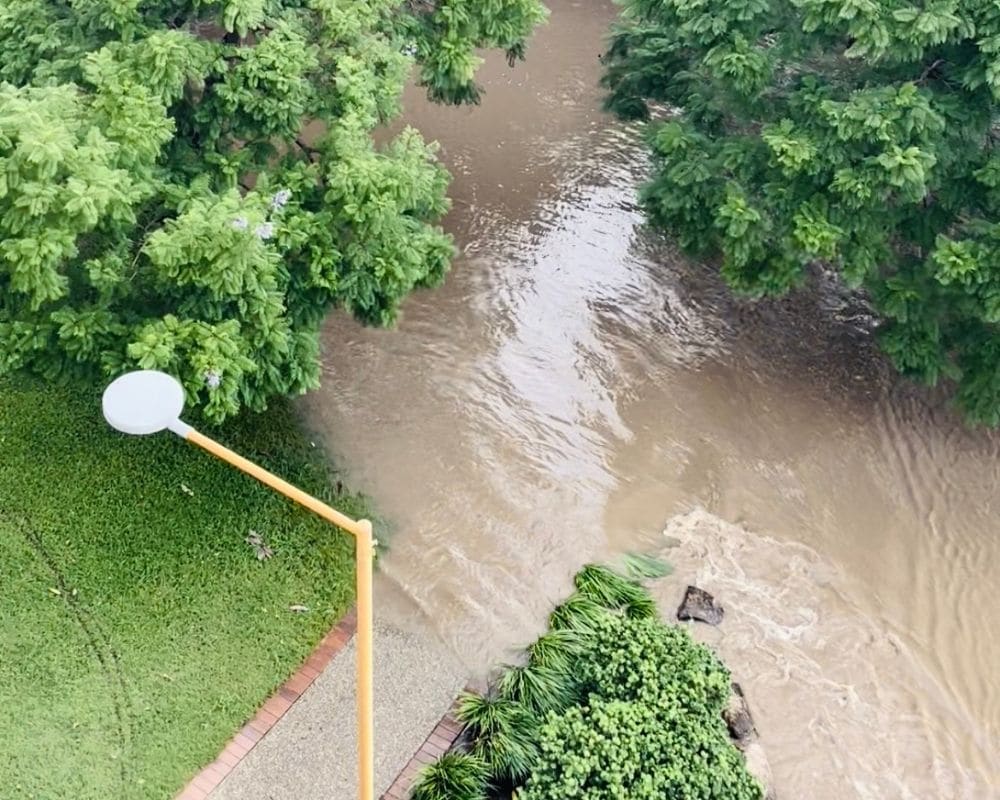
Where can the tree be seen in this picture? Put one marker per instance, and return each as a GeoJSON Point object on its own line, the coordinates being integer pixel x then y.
{"type": "Point", "coordinates": [190, 185]}
{"type": "Point", "coordinates": [860, 135]}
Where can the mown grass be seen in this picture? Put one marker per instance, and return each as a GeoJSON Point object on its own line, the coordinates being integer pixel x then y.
{"type": "Point", "coordinates": [138, 630]}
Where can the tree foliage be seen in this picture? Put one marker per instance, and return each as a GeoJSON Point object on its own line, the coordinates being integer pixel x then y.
{"type": "Point", "coordinates": [190, 185]}
{"type": "Point", "coordinates": [857, 134]}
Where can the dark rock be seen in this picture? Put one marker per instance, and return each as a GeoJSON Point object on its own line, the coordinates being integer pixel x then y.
{"type": "Point", "coordinates": [737, 716]}
{"type": "Point", "coordinates": [700, 605]}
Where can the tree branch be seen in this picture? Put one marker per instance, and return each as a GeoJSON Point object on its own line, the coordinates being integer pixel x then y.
{"type": "Point", "coordinates": [311, 152]}
{"type": "Point", "coordinates": [929, 70]}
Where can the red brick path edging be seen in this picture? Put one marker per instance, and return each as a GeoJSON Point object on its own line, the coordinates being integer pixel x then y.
{"type": "Point", "coordinates": [274, 709]}
{"type": "Point", "coordinates": [435, 745]}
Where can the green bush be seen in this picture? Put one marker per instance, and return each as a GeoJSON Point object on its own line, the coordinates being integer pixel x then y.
{"type": "Point", "coordinates": [655, 663]}
{"type": "Point", "coordinates": [616, 749]}
{"type": "Point", "coordinates": [651, 726]}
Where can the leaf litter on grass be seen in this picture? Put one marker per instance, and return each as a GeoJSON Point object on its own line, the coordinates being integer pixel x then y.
{"type": "Point", "coordinates": [260, 547]}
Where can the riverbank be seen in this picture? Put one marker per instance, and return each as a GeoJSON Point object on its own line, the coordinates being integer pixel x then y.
{"type": "Point", "coordinates": [152, 597]}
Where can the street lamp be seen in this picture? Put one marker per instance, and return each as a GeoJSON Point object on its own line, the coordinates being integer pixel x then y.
{"type": "Point", "coordinates": [147, 402]}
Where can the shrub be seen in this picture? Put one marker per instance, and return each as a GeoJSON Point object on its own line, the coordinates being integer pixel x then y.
{"type": "Point", "coordinates": [651, 727]}
{"type": "Point", "coordinates": [645, 660]}
{"type": "Point", "coordinates": [617, 749]}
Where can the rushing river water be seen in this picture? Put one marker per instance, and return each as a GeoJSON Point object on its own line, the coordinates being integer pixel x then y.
{"type": "Point", "coordinates": [577, 385]}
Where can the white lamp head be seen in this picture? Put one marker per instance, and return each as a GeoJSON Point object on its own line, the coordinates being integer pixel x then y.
{"type": "Point", "coordinates": [144, 402]}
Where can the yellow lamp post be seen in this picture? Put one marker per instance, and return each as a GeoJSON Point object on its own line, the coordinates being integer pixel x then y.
{"type": "Point", "coordinates": [147, 402]}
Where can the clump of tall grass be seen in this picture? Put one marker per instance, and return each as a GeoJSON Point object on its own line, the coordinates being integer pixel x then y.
{"type": "Point", "coordinates": [538, 689]}
{"type": "Point", "coordinates": [578, 613]}
{"type": "Point", "coordinates": [503, 734]}
{"type": "Point", "coordinates": [454, 776]}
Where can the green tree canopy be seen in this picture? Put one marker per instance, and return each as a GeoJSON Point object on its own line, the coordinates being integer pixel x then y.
{"type": "Point", "coordinates": [190, 185]}
{"type": "Point", "coordinates": [857, 134]}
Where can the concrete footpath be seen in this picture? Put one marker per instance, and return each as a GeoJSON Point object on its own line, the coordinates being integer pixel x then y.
{"type": "Point", "coordinates": [311, 752]}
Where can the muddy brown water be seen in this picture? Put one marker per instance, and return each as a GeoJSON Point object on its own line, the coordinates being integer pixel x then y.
{"type": "Point", "coordinates": [577, 385]}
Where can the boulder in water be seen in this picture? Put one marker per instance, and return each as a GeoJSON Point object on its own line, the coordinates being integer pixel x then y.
{"type": "Point", "coordinates": [738, 718]}
{"type": "Point", "coordinates": [700, 605]}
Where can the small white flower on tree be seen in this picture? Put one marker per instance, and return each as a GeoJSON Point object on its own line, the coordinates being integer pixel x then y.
{"type": "Point", "coordinates": [280, 199]}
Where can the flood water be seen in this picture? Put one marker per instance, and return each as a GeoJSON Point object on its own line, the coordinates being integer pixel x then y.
{"type": "Point", "coordinates": [577, 385]}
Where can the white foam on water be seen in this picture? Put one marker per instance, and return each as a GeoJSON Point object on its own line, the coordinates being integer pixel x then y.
{"type": "Point", "coordinates": [830, 684]}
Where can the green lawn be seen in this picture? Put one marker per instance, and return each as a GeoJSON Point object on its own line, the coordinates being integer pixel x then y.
{"type": "Point", "coordinates": [138, 630]}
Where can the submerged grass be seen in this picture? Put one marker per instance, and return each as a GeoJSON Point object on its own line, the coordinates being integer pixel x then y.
{"type": "Point", "coordinates": [139, 629]}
